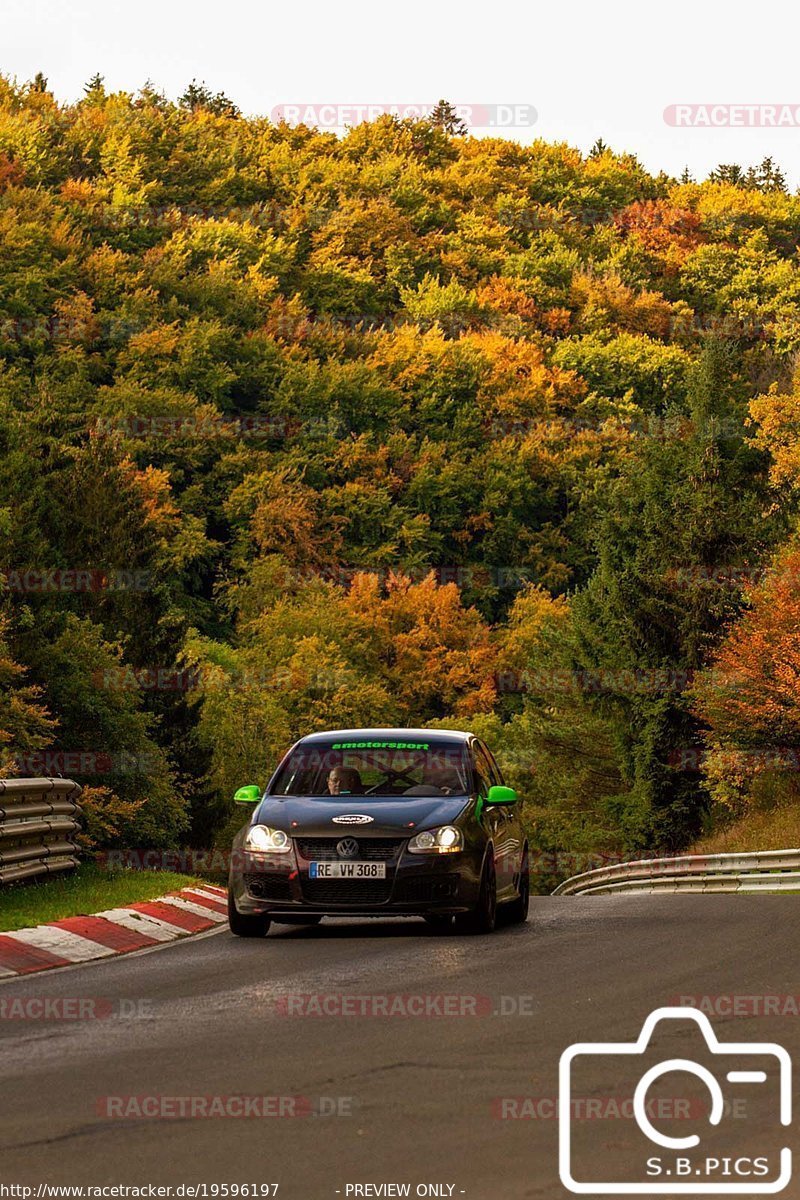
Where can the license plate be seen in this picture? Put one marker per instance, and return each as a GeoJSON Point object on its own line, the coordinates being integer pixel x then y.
{"type": "Point", "coordinates": [347, 870]}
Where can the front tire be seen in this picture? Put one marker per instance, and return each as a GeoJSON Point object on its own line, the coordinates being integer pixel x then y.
{"type": "Point", "coordinates": [483, 917]}
{"type": "Point", "coordinates": [243, 925]}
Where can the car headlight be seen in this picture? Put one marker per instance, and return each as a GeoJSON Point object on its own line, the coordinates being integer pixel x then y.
{"type": "Point", "coordinates": [261, 839]}
{"type": "Point", "coordinates": [447, 839]}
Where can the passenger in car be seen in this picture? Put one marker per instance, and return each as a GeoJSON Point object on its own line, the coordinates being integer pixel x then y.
{"type": "Point", "coordinates": [439, 781]}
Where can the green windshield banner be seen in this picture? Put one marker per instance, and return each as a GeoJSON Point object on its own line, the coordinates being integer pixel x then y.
{"type": "Point", "coordinates": [381, 746]}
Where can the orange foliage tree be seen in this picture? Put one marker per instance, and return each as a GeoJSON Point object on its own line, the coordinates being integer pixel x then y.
{"type": "Point", "coordinates": [749, 696]}
{"type": "Point", "coordinates": [437, 654]}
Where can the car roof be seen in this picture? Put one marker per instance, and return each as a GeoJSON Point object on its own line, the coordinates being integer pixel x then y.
{"type": "Point", "coordinates": [386, 735]}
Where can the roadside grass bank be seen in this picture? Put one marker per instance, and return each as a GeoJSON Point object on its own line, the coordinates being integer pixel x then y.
{"type": "Point", "coordinates": [87, 890]}
{"type": "Point", "coordinates": [773, 829]}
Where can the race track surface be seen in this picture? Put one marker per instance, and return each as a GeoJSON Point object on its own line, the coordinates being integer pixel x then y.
{"type": "Point", "coordinates": [416, 1099]}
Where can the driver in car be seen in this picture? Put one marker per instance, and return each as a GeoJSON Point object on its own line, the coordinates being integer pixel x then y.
{"type": "Point", "coordinates": [344, 780]}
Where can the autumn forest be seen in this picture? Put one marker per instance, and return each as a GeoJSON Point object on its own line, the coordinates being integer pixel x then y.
{"type": "Point", "coordinates": [402, 427]}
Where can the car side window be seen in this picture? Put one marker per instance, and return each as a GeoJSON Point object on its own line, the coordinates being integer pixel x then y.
{"type": "Point", "coordinates": [497, 775]}
{"type": "Point", "coordinates": [482, 769]}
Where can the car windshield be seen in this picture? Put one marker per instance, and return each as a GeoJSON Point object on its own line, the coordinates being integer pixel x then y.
{"type": "Point", "coordinates": [375, 768]}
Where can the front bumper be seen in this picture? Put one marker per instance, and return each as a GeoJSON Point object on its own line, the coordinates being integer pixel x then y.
{"type": "Point", "coordinates": [415, 884]}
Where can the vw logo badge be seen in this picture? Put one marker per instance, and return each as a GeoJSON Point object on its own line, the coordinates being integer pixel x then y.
{"type": "Point", "coordinates": [347, 848]}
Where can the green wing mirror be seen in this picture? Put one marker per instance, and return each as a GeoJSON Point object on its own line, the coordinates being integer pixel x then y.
{"type": "Point", "coordinates": [250, 794]}
{"type": "Point", "coordinates": [501, 795]}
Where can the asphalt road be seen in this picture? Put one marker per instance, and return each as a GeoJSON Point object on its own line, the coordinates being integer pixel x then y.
{"type": "Point", "coordinates": [416, 1099]}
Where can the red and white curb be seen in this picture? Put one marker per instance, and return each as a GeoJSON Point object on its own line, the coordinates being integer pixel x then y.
{"type": "Point", "coordinates": [115, 931]}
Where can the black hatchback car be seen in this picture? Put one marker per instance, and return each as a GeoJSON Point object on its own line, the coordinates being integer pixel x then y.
{"type": "Point", "coordinates": [381, 822]}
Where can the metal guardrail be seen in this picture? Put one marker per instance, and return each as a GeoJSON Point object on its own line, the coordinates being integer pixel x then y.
{"type": "Point", "coordinates": [39, 823]}
{"type": "Point", "coordinates": [765, 871]}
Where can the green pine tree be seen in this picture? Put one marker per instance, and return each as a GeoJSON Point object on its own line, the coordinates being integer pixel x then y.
{"type": "Point", "coordinates": [687, 513]}
{"type": "Point", "coordinates": [445, 117]}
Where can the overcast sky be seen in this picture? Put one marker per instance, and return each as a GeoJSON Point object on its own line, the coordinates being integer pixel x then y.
{"type": "Point", "coordinates": [589, 70]}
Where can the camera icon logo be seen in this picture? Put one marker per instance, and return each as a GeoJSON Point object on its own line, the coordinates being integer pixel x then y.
{"type": "Point", "coordinates": [663, 1162]}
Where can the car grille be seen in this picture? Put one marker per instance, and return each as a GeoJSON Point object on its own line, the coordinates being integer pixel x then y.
{"type": "Point", "coordinates": [418, 889]}
{"type": "Point", "coordinates": [347, 891]}
{"type": "Point", "coordinates": [369, 849]}
{"type": "Point", "coordinates": [268, 885]}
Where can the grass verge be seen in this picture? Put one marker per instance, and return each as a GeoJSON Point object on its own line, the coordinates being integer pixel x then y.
{"type": "Point", "coordinates": [776, 829]}
{"type": "Point", "coordinates": [90, 889]}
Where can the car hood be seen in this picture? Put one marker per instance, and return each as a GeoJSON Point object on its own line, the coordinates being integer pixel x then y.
{"type": "Point", "coordinates": [397, 814]}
